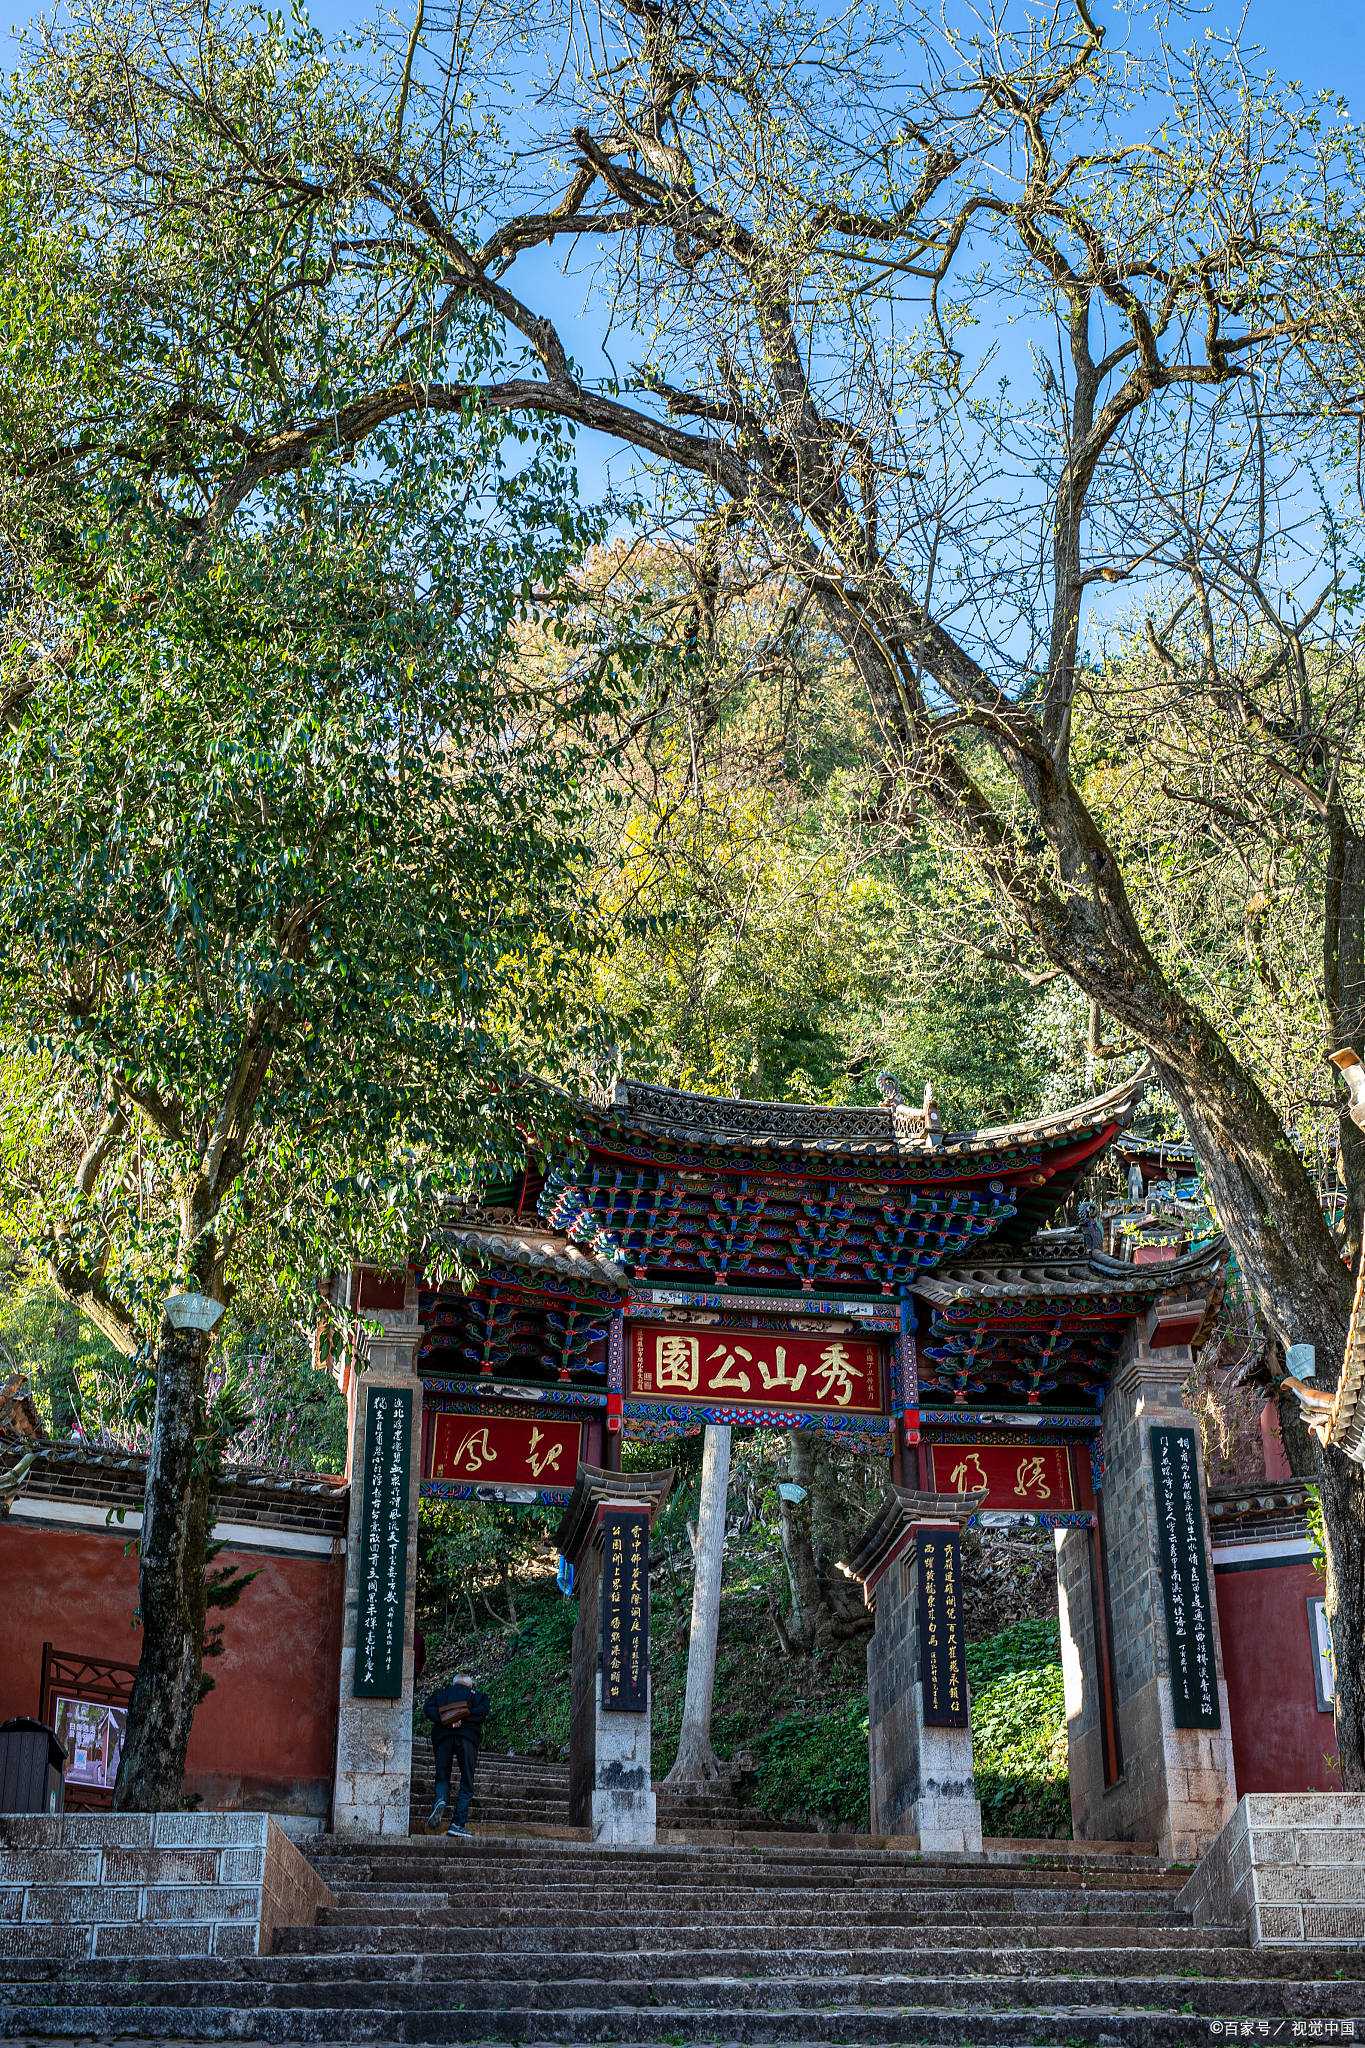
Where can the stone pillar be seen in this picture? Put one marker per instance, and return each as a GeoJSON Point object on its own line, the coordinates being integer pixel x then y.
{"type": "Point", "coordinates": [921, 1775]}
{"type": "Point", "coordinates": [372, 1789]}
{"type": "Point", "coordinates": [610, 1786]}
{"type": "Point", "coordinates": [1174, 1786]}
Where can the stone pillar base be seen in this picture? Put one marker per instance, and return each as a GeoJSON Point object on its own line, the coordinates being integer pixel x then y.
{"type": "Point", "coordinates": [623, 1818]}
{"type": "Point", "coordinates": [373, 1777]}
{"type": "Point", "coordinates": [1175, 1786]}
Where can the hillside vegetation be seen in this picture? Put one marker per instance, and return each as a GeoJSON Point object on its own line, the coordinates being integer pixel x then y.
{"type": "Point", "coordinates": [488, 1598]}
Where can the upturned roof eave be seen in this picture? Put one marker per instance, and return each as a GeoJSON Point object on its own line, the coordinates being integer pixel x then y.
{"type": "Point", "coordinates": [750, 1128]}
{"type": "Point", "coordinates": [1017, 1279]}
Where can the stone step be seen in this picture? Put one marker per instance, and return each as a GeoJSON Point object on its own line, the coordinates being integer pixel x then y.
{"type": "Point", "coordinates": [834, 1925]}
{"type": "Point", "coordinates": [756, 1942]}
{"type": "Point", "coordinates": [656, 1966]}
{"type": "Point", "coordinates": [804, 1853]}
{"type": "Point", "coordinates": [1244, 1996]}
{"type": "Point", "coordinates": [455, 1859]}
{"type": "Point", "coordinates": [430, 1858]}
{"type": "Point", "coordinates": [969, 2025]}
{"type": "Point", "coordinates": [703, 1906]}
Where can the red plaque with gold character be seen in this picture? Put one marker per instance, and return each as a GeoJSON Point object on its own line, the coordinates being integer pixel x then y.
{"type": "Point", "coordinates": [505, 1451]}
{"type": "Point", "coordinates": [1014, 1475]}
{"type": "Point", "coordinates": [755, 1369]}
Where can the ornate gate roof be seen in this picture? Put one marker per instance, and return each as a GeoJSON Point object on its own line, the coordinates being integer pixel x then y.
{"type": "Point", "coordinates": [680, 1204]}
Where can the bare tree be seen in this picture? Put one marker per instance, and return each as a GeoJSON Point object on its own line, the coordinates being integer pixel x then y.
{"type": "Point", "coordinates": [925, 310]}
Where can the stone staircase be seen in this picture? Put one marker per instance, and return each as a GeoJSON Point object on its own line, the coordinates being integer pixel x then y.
{"type": "Point", "coordinates": [527, 1796]}
{"type": "Point", "coordinates": [557, 1941]}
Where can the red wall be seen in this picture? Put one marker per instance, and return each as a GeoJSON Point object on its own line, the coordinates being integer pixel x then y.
{"type": "Point", "coordinates": [266, 1734]}
{"type": "Point", "coordinates": [1279, 1738]}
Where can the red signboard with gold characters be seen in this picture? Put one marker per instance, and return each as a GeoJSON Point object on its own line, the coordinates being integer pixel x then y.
{"type": "Point", "coordinates": [505, 1451]}
{"type": "Point", "coordinates": [1015, 1475]}
{"type": "Point", "coordinates": [756, 1369]}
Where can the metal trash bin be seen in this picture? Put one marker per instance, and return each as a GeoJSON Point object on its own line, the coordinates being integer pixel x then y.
{"type": "Point", "coordinates": [31, 1760]}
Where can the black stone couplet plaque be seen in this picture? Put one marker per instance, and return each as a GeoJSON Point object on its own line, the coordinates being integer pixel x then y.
{"type": "Point", "coordinates": [1185, 1579]}
{"type": "Point", "coordinates": [381, 1621]}
{"type": "Point", "coordinates": [625, 1611]}
{"type": "Point", "coordinates": [942, 1650]}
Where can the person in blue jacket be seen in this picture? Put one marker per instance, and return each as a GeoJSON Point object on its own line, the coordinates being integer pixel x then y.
{"type": "Point", "coordinates": [457, 1713]}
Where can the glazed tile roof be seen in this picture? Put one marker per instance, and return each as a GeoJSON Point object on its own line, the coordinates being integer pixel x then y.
{"type": "Point", "coordinates": [491, 1239]}
{"type": "Point", "coordinates": [106, 1476]}
{"type": "Point", "coordinates": [880, 1131]}
{"type": "Point", "coordinates": [1081, 1279]}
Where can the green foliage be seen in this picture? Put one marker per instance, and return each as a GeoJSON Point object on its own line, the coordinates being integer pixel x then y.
{"type": "Point", "coordinates": [469, 1550]}
{"type": "Point", "coordinates": [817, 1766]}
{"type": "Point", "coordinates": [1019, 1731]}
{"type": "Point", "coordinates": [79, 1381]}
{"type": "Point", "coordinates": [774, 938]}
{"type": "Point", "coordinates": [292, 893]}
{"type": "Point", "coordinates": [1024, 1646]}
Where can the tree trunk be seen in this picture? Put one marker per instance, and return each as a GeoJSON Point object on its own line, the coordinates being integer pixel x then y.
{"type": "Point", "coordinates": [816, 1533]}
{"type": "Point", "coordinates": [798, 1545]}
{"type": "Point", "coordinates": [697, 1763]}
{"type": "Point", "coordinates": [1262, 1193]}
{"type": "Point", "coordinates": [176, 1525]}
{"type": "Point", "coordinates": [63, 1386]}
{"type": "Point", "coordinates": [1343, 987]}
{"type": "Point", "coordinates": [1342, 1490]}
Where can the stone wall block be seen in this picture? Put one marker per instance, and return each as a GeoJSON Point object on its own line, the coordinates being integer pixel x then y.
{"type": "Point", "coordinates": [148, 1939]}
{"type": "Point", "coordinates": [222, 1895]}
{"type": "Point", "coordinates": [1313, 1845]}
{"type": "Point", "coordinates": [107, 1830]}
{"type": "Point", "coordinates": [1297, 1883]}
{"type": "Point", "coordinates": [292, 1893]}
{"type": "Point", "coordinates": [202, 1902]}
{"type": "Point", "coordinates": [233, 1941]}
{"type": "Point", "coordinates": [1329, 1923]}
{"type": "Point", "coordinates": [210, 1830]}
{"type": "Point", "coordinates": [1279, 1923]}
{"type": "Point", "coordinates": [30, 1830]}
{"type": "Point", "coordinates": [63, 1944]}
{"type": "Point", "coordinates": [1279, 1845]}
{"type": "Point", "coordinates": [1304, 1809]}
{"type": "Point", "coordinates": [58, 1903]}
{"type": "Point", "coordinates": [60, 1866]}
{"type": "Point", "coordinates": [160, 1866]}
{"type": "Point", "coordinates": [1306, 1885]}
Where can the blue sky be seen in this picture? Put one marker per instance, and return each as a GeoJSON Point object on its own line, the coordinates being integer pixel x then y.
{"type": "Point", "coordinates": [1320, 43]}
{"type": "Point", "coordinates": [1316, 41]}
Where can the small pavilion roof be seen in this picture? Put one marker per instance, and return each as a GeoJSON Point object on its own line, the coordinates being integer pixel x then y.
{"type": "Point", "coordinates": [1090, 1277]}
{"type": "Point", "coordinates": [596, 1488]}
{"type": "Point", "coordinates": [903, 1508]}
{"type": "Point", "coordinates": [490, 1239]}
{"type": "Point", "coordinates": [881, 1133]}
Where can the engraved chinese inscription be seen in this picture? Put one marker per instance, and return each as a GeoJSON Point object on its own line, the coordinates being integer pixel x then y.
{"type": "Point", "coordinates": [380, 1620]}
{"type": "Point", "coordinates": [625, 1611]}
{"type": "Point", "coordinates": [505, 1451]}
{"type": "Point", "coordinates": [942, 1647]}
{"type": "Point", "coordinates": [1185, 1580]}
{"type": "Point", "coordinates": [756, 1369]}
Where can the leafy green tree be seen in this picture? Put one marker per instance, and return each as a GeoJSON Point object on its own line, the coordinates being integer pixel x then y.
{"type": "Point", "coordinates": [291, 895]}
